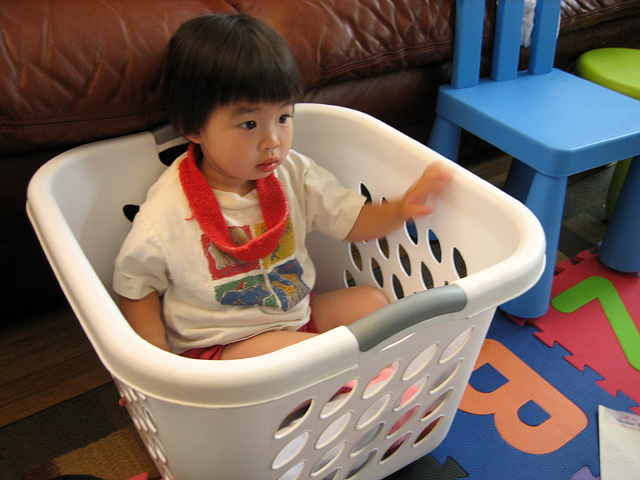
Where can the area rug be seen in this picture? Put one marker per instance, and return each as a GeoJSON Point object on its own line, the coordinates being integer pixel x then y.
{"type": "Point", "coordinates": [88, 434]}
{"type": "Point", "coordinates": [114, 457]}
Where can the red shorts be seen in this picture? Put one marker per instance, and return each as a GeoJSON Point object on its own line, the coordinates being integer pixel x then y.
{"type": "Point", "coordinates": [214, 352]}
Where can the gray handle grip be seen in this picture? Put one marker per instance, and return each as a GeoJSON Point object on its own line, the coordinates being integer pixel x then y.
{"type": "Point", "coordinates": [398, 316]}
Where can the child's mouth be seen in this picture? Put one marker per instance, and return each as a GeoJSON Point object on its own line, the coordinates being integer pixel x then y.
{"type": "Point", "coordinates": [268, 166]}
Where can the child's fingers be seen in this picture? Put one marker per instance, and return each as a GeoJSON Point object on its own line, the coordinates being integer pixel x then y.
{"type": "Point", "coordinates": [439, 174]}
{"type": "Point", "coordinates": [426, 192]}
{"type": "Point", "coordinates": [434, 181]}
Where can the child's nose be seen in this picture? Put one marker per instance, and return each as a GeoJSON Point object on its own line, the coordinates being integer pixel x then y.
{"type": "Point", "coordinates": [270, 141]}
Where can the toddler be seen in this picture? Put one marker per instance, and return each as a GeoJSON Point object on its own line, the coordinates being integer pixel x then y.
{"type": "Point", "coordinates": [215, 265]}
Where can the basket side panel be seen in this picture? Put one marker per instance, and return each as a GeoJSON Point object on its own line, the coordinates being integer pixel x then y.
{"type": "Point", "coordinates": [394, 408]}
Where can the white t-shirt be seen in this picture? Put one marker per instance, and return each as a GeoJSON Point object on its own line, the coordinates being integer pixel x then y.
{"type": "Point", "coordinates": [210, 298]}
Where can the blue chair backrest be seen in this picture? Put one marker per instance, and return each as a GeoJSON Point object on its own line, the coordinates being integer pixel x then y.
{"type": "Point", "coordinates": [507, 38]}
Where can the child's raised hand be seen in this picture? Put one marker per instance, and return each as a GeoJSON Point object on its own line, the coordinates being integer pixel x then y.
{"type": "Point", "coordinates": [421, 198]}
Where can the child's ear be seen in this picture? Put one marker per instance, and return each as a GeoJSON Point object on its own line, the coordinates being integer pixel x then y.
{"type": "Point", "coordinates": [193, 137]}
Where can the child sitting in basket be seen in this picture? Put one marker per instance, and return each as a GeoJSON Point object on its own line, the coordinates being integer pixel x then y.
{"type": "Point", "coordinates": [215, 265]}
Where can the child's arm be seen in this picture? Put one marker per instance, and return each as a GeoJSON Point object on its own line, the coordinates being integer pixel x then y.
{"type": "Point", "coordinates": [144, 317]}
{"type": "Point", "coordinates": [419, 200]}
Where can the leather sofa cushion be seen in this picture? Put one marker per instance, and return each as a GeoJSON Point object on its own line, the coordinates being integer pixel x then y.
{"type": "Point", "coordinates": [78, 70]}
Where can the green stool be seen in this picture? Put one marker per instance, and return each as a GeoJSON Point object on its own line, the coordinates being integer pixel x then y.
{"type": "Point", "coordinates": [619, 70]}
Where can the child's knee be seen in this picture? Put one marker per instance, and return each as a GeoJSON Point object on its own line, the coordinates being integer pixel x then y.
{"type": "Point", "coordinates": [372, 296]}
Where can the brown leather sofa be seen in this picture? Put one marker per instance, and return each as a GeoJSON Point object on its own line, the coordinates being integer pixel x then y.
{"type": "Point", "coordinates": [76, 71]}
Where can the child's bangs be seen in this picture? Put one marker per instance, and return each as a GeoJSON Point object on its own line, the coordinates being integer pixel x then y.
{"type": "Point", "coordinates": [263, 77]}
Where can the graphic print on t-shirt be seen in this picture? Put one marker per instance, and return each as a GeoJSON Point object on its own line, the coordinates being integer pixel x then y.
{"type": "Point", "coordinates": [276, 279]}
{"type": "Point", "coordinates": [223, 265]}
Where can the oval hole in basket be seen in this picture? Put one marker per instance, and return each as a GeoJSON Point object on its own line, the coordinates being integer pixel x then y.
{"type": "Point", "coordinates": [150, 449]}
{"type": "Point", "coordinates": [333, 430]}
{"type": "Point", "coordinates": [459, 263]}
{"type": "Point", "coordinates": [412, 231]}
{"type": "Point", "coordinates": [434, 246]}
{"type": "Point", "coordinates": [130, 394]}
{"type": "Point", "coordinates": [130, 211]}
{"type": "Point", "coordinates": [380, 380]}
{"type": "Point", "coordinates": [427, 430]}
{"type": "Point", "coordinates": [159, 449]}
{"type": "Point", "coordinates": [338, 399]}
{"type": "Point", "coordinates": [291, 474]}
{"type": "Point", "coordinates": [411, 393]}
{"type": "Point", "coordinates": [394, 448]}
{"type": "Point", "coordinates": [377, 273]}
{"type": "Point", "coordinates": [294, 419]}
{"type": "Point", "coordinates": [168, 155]}
{"type": "Point", "coordinates": [166, 474]}
{"type": "Point", "coordinates": [445, 376]}
{"type": "Point", "coordinates": [425, 273]}
{"type": "Point", "coordinates": [327, 459]}
{"type": "Point", "coordinates": [402, 421]}
{"type": "Point", "coordinates": [456, 345]}
{"type": "Point", "coordinates": [405, 261]}
{"type": "Point", "coordinates": [356, 258]}
{"type": "Point", "coordinates": [383, 246]}
{"type": "Point", "coordinates": [134, 414]}
{"type": "Point", "coordinates": [360, 465]}
{"type": "Point", "coordinates": [365, 191]}
{"type": "Point", "coordinates": [435, 406]}
{"type": "Point", "coordinates": [373, 411]}
{"type": "Point", "coordinates": [332, 476]}
{"type": "Point", "coordinates": [366, 439]}
{"type": "Point", "coordinates": [419, 362]}
{"type": "Point", "coordinates": [290, 450]}
{"type": "Point", "coordinates": [148, 420]}
{"type": "Point", "coordinates": [349, 281]}
{"type": "Point", "coordinates": [397, 287]}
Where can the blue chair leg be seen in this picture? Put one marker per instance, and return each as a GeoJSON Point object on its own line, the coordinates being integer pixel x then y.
{"type": "Point", "coordinates": [545, 199]}
{"type": "Point", "coordinates": [445, 138]}
{"type": "Point", "coordinates": [621, 245]}
{"type": "Point", "coordinates": [519, 180]}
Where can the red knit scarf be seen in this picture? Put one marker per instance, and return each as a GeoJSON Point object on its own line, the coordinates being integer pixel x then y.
{"type": "Point", "coordinates": [206, 210]}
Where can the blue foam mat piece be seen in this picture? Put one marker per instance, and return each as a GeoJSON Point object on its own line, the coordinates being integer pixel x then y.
{"type": "Point", "coordinates": [475, 443]}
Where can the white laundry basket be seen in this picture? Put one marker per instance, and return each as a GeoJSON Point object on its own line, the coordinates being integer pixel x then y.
{"type": "Point", "coordinates": [284, 415]}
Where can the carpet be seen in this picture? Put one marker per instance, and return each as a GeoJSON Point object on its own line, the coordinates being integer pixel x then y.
{"type": "Point", "coordinates": [92, 435]}
{"type": "Point", "coordinates": [88, 434]}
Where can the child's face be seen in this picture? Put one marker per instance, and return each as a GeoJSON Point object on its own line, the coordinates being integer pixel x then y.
{"type": "Point", "coordinates": [243, 142]}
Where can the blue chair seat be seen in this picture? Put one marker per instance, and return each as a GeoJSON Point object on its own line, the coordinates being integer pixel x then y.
{"type": "Point", "coordinates": [558, 122]}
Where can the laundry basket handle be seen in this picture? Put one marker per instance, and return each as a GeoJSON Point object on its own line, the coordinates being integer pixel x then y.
{"type": "Point", "coordinates": [411, 310]}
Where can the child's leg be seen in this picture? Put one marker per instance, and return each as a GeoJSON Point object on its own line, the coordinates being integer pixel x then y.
{"type": "Point", "coordinates": [330, 310]}
{"type": "Point", "coordinates": [261, 344]}
{"type": "Point", "coordinates": [343, 307]}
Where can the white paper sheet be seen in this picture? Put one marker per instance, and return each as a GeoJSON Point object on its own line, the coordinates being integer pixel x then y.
{"type": "Point", "coordinates": [619, 436]}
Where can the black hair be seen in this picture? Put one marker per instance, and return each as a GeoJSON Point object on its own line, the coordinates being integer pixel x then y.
{"type": "Point", "coordinates": [214, 60]}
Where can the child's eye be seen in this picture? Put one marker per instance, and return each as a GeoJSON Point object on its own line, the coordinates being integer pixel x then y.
{"type": "Point", "coordinates": [250, 125]}
{"type": "Point", "coordinates": [285, 118]}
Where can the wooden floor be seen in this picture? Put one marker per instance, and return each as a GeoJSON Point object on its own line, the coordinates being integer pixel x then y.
{"type": "Point", "coordinates": [45, 357]}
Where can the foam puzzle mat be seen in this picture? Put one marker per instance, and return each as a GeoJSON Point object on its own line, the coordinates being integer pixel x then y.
{"type": "Point", "coordinates": [530, 409]}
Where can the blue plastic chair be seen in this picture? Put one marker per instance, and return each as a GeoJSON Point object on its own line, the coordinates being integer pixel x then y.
{"type": "Point", "coordinates": [553, 123]}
